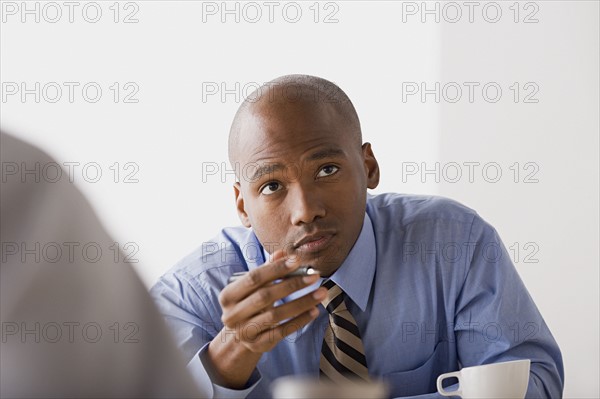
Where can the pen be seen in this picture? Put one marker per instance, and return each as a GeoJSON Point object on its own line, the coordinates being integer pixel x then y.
{"type": "Point", "coordinates": [302, 271]}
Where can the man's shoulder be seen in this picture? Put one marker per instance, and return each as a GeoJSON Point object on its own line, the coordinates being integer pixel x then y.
{"type": "Point", "coordinates": [405, 209]}
{"type": "Point", "coordinates": [230, 249]}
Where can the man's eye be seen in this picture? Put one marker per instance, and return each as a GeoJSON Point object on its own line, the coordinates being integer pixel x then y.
{"type": "Point", "coordinates": [328, 170]}
{"type": "Point", "coordinates": [270, 188]}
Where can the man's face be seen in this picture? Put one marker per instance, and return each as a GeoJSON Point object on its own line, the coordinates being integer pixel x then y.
{"type": "Point", "coordinates": [303, 180]}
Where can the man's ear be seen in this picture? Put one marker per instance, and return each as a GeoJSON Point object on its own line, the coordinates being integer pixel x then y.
{"type": "Point", "coordinates": [239, 204]}
{"type": "Point", "coordinates": [371, 166]}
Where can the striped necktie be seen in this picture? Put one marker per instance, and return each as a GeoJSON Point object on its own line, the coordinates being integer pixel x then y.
{"type": "Point", "coordinates": [342, 355]}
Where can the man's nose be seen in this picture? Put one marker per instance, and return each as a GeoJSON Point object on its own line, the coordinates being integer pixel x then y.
{"type": "Point", "coordinates": [306, 206]}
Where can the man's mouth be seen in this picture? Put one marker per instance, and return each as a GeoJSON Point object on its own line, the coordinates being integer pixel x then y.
{"type": "Point", "coordinates": [313, 242]}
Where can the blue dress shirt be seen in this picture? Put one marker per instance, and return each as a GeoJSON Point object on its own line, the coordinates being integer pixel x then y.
{"type": "Point", "coordinates": [429, 282]}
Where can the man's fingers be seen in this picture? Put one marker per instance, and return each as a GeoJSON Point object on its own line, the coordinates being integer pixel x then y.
{"type": "Point", "coordinates": [267, 340]}
{"type": "Point", "coordinates": [263, 298]}
{"type": "Point", "coordinates": [272, 270]}
{"type": "Point", "coordinates": [291, 309]}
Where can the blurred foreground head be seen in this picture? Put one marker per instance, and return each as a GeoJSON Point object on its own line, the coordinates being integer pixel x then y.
{"type": "Point", "coordinates": [75, 322]}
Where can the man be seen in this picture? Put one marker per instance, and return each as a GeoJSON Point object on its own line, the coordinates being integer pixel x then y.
{"type": "Point", "coordinates": [76, 320]}
{"type": "Point", "coordinates": [428, 285]}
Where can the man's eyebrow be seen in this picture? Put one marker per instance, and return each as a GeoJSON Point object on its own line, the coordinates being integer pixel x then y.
{"type": "Point", "coordinates": [331, 152]}
{"type": "Point", "coordinates": [315, 156]}
{"type": "Point", "coordinates": [265, 170]}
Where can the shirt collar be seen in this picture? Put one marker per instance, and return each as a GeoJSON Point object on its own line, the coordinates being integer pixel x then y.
{"type": "Point", "coordinates": [355, 275]}
{"type": "Point", "coordinates": [252, 250]}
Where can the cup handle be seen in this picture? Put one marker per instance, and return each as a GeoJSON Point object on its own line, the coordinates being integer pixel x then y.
{"type": "Point", "coordinates": [442, 391]}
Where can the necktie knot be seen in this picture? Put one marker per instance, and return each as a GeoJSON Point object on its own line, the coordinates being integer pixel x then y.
{"type": "Point", "coordinates": [334, 301]}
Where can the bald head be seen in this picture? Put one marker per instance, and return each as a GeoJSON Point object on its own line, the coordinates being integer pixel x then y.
{"type": "Point", "coordinates": [276, 96]}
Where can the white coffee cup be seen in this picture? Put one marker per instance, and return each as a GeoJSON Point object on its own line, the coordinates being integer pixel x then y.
{"type": "Point", "coordinates": [295, 387]}
{"type": "Point", "coordinates": [495, 380]}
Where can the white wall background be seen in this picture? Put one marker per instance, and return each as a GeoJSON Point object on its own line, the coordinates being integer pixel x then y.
{"type": "Point", "coordinates": [375, 52]}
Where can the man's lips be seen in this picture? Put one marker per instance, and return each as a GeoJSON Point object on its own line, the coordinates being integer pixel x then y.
{"type": "Point", "coordinates": [314, 242]}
